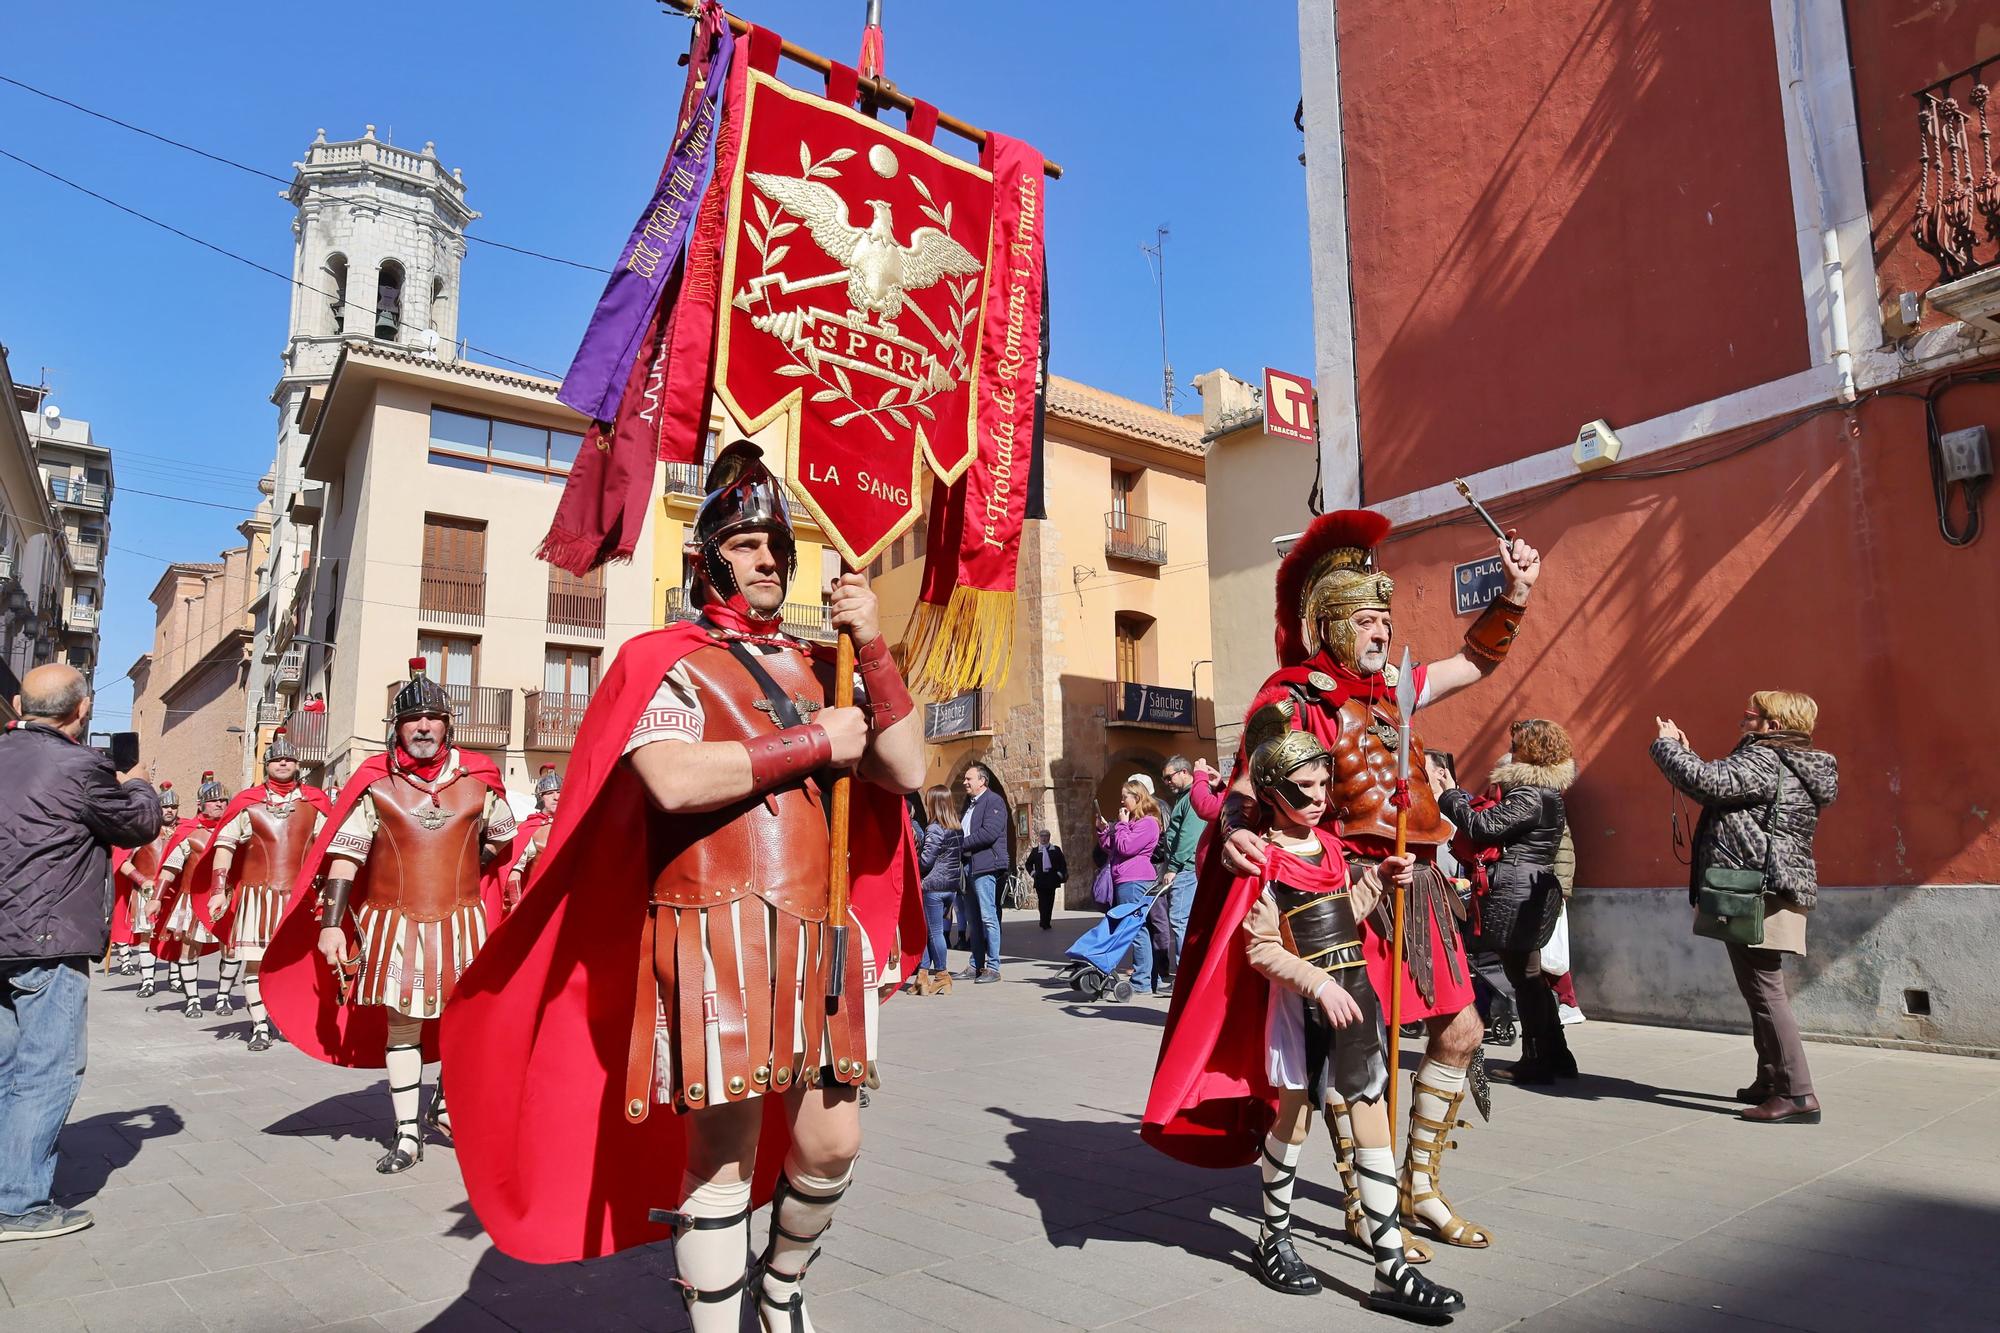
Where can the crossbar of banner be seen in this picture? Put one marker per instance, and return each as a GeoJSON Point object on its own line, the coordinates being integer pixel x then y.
{"type": "Point", "coordinates": [880, 90]}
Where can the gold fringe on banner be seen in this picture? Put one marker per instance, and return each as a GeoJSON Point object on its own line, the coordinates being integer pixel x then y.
{"type": "Point", "coordinates": [965, 644]}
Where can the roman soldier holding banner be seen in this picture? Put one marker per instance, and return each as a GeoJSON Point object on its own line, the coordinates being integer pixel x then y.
{"type": "Point", "coordinates": [695, 859]}
{"type": "Point", "coordinates": [134, 879]}
{"type": "Point", "coordinates": [1333, 635]}
{"type": "Point", "coordinates": [250, 865]}
{"type": "Point", "coordinates": [181, 936]}
{"type": "Point", "coordinates": [359, 972]}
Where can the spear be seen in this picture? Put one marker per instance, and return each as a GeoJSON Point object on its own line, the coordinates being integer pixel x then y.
{"type": "Point", "coordinates": [1406, 704]}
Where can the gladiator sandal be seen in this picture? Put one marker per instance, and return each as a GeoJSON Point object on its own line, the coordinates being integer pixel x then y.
{"type": "Point", "coordinates": [224, 1005]}
{"type": "Point", "coordinates": [146, 988]}
{"type": "Point", "coordinates": [1427, 1145]}
{"type": "Point", "coordinates": [680, 1223]}
{"type": "Point", "coordinates": [438, 1116]}
{"type": "Point", "coordinates": [1339, 1128]}
{"type": "Point", "coordinates": [792, 1309]}
{"type": "Point", "coordinates": [192, 1009]}
{"type": "Point", "coordinates": [1278, 1265]}
{"type": "Point", "coordinates": [1399, 1289]}
{"type": "Point", "coordinates": [260, 1037]}
{"type": "Point", "coordinates": [405, 1150]}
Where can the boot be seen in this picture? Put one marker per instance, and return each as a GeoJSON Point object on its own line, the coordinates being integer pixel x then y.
{"type": "Point", "coordinates": [1562, 1063]}
{"type": "Point", "coordinates": [1533, 1069]}
{"type": "Point", "coordinates": [1434, 1114]}
{"type": "Point", "coordinates": [940, 983]}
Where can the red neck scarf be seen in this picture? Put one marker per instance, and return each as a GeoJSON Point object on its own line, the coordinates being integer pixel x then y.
{"type": "Point", "coordinates": [424, 770]}
{"type": "Point", "coordinates": [1369, 689]}
{"type": "Point", "coordinates": [735, 615]}
{"type": "Point", "coordinates": [277, 788]}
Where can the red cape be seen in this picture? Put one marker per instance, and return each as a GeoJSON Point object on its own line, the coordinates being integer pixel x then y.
{"type": "Point", "coordinates": [537, 1031]}
{"type": "Point", "coordinates": [496, 905]}
{"type": "Point", "coordinates": [204, 865]}
{"type": "Point", "coordinates": [299, 988]}
{"type": "Point", "coordinates": [1211, 1103]}
{"type": "Point", "coordinates": [121, 898]}
{"type": "Point", "coordinates": [167, 948]}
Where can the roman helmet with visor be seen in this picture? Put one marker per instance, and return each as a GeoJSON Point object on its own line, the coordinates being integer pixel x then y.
{"type": "Point", "coordinates": [420, 697]}
{"type": "Point", "coordinates": [1278, 752]}
{"type": "Point", "coordinates": [742, 495]}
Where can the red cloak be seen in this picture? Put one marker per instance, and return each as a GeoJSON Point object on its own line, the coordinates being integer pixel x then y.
{"type": "Point", "coordinates": [300, 990]}
{"type": "Point", "coordinates": [524, 833]}
{"type": "Point", "coordinates": [204, 865]}
{"type": "Point", "coordinates": [167, 947]}
{"type": "Point", "coordinates": [1212, 1103]}
{"type": "Point", "coordinates": [537, 1031]}
{"type": "Point", "coordinates": [121, 894]}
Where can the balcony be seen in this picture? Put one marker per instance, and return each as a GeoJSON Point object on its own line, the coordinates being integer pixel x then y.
{"type": "Point", "coordinates": [1127, 536]}
{"type": "Point", "coordinates": [6, 566]}
{"type": "Point", "coordinates": [802, 619]}
{"type": "Point", "coordinates": [482, 716]}
{"type": "Point", "coordinates": [307, 733]}
{"type": "Point", "coordinates": [86, 556]}
{"type": "Point", "coordinates": [79, 494]}
{"type": "Point", "coordinates": [270, 713]}
{"type": "Point", "coordinates": [1957, 218]}
{"type": "Point", "coordinates": [79, 619]}
{"type": "Point", "coordinates": [452, 596]}
{"type": "Point", "coordinates": [551, 719]}
{"type": "Point", "coordinates": [967, 714]}
{"type": "Point", "coordinates": [576, 605]}
{"type": "Point", "coordinates": [290, 672]}
{"type": "Point", "coordinates": [1149, 707]}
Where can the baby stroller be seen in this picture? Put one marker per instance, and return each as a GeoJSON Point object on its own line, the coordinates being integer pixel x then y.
{"type": "Point", "coordinates": [1099, 950]}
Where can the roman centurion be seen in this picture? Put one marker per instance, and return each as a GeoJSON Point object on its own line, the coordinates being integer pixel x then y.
{"type": "Point", "coordinates": [251, 863]}
{"type": "Point", "coordinates": [534, 836]}
{"type": "Point", "coordinates": [361, 971]}
{"type": "Point", "coordinates": [181, 936]}
{"type": "Point", "coordinates": [694, 851]}
{"type": "Point", "coordinates": [135, 877]}
{"type": "Point", "coordinates": [1334, 631]}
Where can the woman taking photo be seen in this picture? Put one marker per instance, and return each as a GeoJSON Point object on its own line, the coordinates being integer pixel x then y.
{"type": "Point", "coordinates": [1517, 913]}
{"type": "Point", "coordinates": [942, 862]}
{"type": "Point", "coordinates": [1130, 843]}
{"type": "Point", "coordinates": [1760, 807]}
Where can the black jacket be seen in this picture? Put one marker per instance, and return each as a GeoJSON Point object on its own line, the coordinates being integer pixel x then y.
{"type": "Point", "coordinates": [986, 835]}
{"type": "Point", "coordinates": [1058, 871]}
{"type": "Point", "coordinates": [1523, 893]}
{"type": "Point", "coordinates": [62, 810]}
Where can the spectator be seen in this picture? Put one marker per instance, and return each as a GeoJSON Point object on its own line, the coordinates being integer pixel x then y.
{"type": "Point", "coordinates": [1049, 871]}
{"type": "Point", "coordinates": [62, 810]}
{"type": "Point", "coordinates": [1178, 844]}
{"type": "Point", "coordinates": [1518, 913]}
{"type": "Point", "coordinates": [1130, 843]}
{"type": "Point", "coordinates": [942, 860]}
{"type": "Point", "coordinates": [986, 860]}
{"type": "Point", "coordinates": [1760, 807]}
{"type": "Point", "coordinates": [1467, 865]}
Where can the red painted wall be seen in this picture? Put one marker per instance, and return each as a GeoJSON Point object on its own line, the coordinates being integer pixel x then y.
{"type": "Point", "coordinates": [1897, 47]}
{"type": "Point", "coordinates": [1558, 211]}
{"type": "Point", "coordinates": [1810, 563]}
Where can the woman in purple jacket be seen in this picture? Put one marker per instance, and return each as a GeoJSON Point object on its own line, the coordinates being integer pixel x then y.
{"type": "Point", "coordinates": [1130, 844]}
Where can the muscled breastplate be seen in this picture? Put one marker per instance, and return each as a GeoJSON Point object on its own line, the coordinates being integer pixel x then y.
{"type": "Point", "coordinates": [146, 861]}
{"type": "Point", "coordinates": [197, 843]}
{"type": "Point", "coordinates": [424, 860]}
{"type": "Point", "coordinates": [279, 836]}
{"type": "Point", "coordinates": [1364, 778]}
{"type": "Point", "coordinates": [541, 838]}
{"type": "Point", "coordinates": [773, 844]}
{"type": "Point", "coordinates": [1317, 926]}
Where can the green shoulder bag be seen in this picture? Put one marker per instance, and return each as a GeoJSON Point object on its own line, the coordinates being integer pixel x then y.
{"type": "Point", "coordinates": [1729, 904]}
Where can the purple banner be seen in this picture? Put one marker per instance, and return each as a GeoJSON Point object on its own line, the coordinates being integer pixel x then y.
{"type": "Point", "coordinates": [595, 384]}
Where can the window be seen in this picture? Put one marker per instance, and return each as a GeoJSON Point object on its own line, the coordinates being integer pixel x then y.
{"type": "Point", "coordinates": [569, 670]}
{"type": "Point", "coordinates": [508, 448]}
{"type": "Point", "coordinates": [388, 299]}
{"type": "Point", "coordinates": [1132, 630]}
{"type": "Point", "coordinates": [453, 586]}
{"type": "Point", "coordinates": [1122, 486]}
{"type": "Point", "coordinates": [450, 661]}
{"type": "Point", "coordinates": [336, 267]}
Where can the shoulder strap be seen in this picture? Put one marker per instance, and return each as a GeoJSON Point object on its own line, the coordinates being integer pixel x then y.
{"type": "Point", "coordinates": [1771, 815]}
{"type": "Point", "coordinates": [783, 711]}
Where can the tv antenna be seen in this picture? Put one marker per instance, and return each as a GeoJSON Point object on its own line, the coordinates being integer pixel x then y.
{"type": "Point", "coordinates": [1156, 264]}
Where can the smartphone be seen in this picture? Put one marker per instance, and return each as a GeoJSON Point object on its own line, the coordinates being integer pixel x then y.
{"type": "Point", "coordinates": [124, 750]}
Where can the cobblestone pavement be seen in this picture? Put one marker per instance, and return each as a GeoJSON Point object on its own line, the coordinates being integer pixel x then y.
{"type": "Point", "coordinates": [1004, 1188]}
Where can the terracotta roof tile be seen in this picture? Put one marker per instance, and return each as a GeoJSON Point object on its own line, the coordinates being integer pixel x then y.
{"type": "Point", "coordinates": [1081, 402]}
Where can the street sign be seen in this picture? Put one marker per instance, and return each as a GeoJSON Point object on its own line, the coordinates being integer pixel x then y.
{"type": "Point", "coordinates": [1155, 705]}
{"type": "Point", "coordinates": [1288, 406]}
{"type": "Point", "coordinates": [1475, 583]}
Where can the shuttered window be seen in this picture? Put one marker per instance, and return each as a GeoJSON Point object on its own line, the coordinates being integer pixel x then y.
{"type": "Point", "coordinates": [454, 574]}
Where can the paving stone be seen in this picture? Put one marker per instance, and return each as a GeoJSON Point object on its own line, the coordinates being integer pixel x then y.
{"type": "Point", "coordinates": [136, 1309]}
{"type": "Point", "coordinates": [244, 1300]}
{"type": "Point", "coordinates": [335, 1287]}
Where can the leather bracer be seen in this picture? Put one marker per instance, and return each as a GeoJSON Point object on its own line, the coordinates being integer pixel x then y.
{"type": "Point", "coordinates": [335, 894]}
{"type": "Point", "coordinates": [889, 699]}
{"type": "Point", "coordinates": [1493, 633]}
{"type": "Point", "coordinates": [787, 756]}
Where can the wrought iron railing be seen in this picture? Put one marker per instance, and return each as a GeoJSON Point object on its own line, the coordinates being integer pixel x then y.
{"type": "Point", "coordinates": [551, 719]}
{"type": "Point", "coordinates": [87, 494]}
{"type": "Point", "coordinates": [482, 716]}
{"type": "Point", "coordinates": [1958, 193]}
{"type": "Point", "coordinates": [805, 620]}
{"type": "Point", "coordinates": [576, 605]}
{"type": "Point", "coordinates": [306, 729]}
{"type": "Point", "coordinates": [1128, 536]}
{"type": "Point", "coordinates": [455, 595]}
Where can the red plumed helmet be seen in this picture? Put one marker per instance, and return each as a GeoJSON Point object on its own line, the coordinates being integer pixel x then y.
{"type": "Point", "coordinates": [1353, 530]}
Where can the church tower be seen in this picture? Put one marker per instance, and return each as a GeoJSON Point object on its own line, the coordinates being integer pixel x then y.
{"type": "Point", "coordinates": [378, 243]}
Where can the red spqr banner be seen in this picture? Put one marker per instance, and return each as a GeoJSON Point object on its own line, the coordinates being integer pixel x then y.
{"type": "Point", "coordinates": [855, 278]}
{"type": "Point", "coordinates": [963, 633]}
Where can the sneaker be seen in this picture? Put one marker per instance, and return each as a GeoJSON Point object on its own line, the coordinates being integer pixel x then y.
{"type": "Point", "coordinates": [1570, 1015]}
{"type": "Point", "coordinates": [970, 974]}
{"type": "Point", "coordinates": [43, 1222]}
{"type": "Point", "coordinates": [990, 974]}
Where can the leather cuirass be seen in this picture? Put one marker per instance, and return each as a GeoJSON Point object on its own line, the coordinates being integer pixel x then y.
{"type": "Point", "coordinates": [1318, 927]}
{"type": "Point", "coordinates": [277, 844]}
{"type": "Point", "coordinates": [146, 860]}
{"type": "Point", "coordinates": [773, 844]}
{"type": "Point", "coordinates": [197, 843]}
{"type": "Point", "coordinates": [425, 857]}
{"type": "Point", "coordinates": [1364, 778]}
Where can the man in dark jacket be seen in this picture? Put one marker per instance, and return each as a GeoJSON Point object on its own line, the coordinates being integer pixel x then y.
{"type": "Point", "coordinates": [986, 861]}
{"type": "Point", "coordinates": [62, 810]}
{"type": "Point", "coordinates": [1047, 868]}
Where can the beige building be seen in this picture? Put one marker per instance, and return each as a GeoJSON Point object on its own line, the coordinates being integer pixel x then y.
{"type": "Point", "coordinates": [1110, 673]}
{"type": "Point", "coordinates": [35, 556]}
{"type": "Point", "coordinates": [76, 475]}
{"type": "Point", "coordinates": [1258, 485]}
{"type": "Point", "coordinates": [429, 485]}
{"type": "Point", "coordinates": [187, 691]}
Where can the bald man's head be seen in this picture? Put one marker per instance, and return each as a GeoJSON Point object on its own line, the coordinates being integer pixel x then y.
{"type": "Point", "coordinates": [56, 694]}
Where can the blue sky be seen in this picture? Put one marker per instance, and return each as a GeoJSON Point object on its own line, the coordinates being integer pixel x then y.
{"type": "Point", "coordinates": [1175, 112]}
